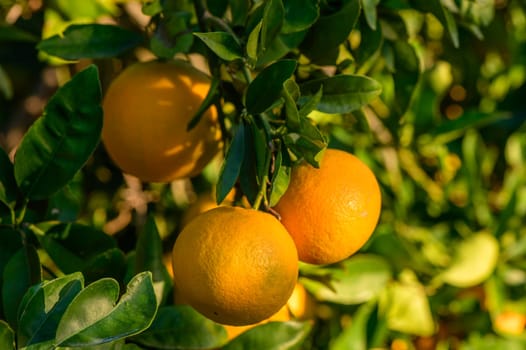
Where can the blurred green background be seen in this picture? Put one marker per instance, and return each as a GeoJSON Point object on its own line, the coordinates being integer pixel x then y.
{"type": "Point", "coordinates": [446, 267]}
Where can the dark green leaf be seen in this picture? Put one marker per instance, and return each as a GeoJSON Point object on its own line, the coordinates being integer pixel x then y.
{"type": "Point", "coordinates": [291, 109]}
{"type": "Point", "coordinates": [6, 86]}
{"type": "Point", "coordinates": [10, 244]}
{"type": "Point", "coordinates": [249, 179]}
{"type": "Point", "coordinates": [299, 15]}
{"type": "Point", "coordinates": [172, 35]}
{"type": "Point", "coordinates": [8, 187]}
{"type": "Point", "coordinates": [222, 44]}
{"type": "Point", "coordinates": [149, 257]}
{"type": "Point", "coordinates": [239, 10]}
{"type": "Point", "coordinates": [209, 100]}
{"type": "Point", "coordinates": [369, 49]}
{"type": "Point", "coordinates": [342, 93]}
{"type": "Point", "coordinates": [406, 75]}
{"type": "Point", "coordinates": [12, 33]}
{"type": "Point", "coordinates": [369, 10]}
{"type": "Point", "coordinates": [90, 41]}
{"type": "Point", "coordinates": [266, 88]}
{"type": "Point", "coordinates": [71, 246]}
{"type": "Point", "coordinates": [280, 178]}
{"type": "Point", "coordinates": [232, 164]}
{"type": "Point", "coordinates": [110, 263]}
{"type": "Point", "coordinates": [272, 336]}
{"type": "Point", "coordinates": [21, 271]}
{"type": "Point", "coordinates": [354, 335]}
{"type": "Point", "coordinates": [181, 327]}
{"type": "Point", "coordinates": [59, 143]}
{"type": "Point", "coordinates": [271, 23]}
{"type": "Point", "coordinates": [42, 309]}
{"type": "Point", "coordinates": [282, 44]}
{"type": "Point", "coordinates": [329, 31]}
{"type": "Point", "coordinates": [107, 322]}
{"type": "Point", "coordinates": [310, 103]}
{"type": "Point", "coordinates": [7, 337]}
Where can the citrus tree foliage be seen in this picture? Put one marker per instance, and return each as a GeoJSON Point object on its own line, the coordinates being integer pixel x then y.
{"type": "Point", "coordinates": [428, 92]}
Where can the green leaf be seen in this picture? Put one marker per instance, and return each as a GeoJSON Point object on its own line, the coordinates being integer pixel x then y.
{"type": "Point", "coordinates": [406, 76]}
{"type": "Point", "coordinates": [42, 309]}
{"type": "Point", "coordinates": [369, 10]}
{"type": "Point", "coordinates": [20, 272]}
{"type": "Point", "coordinates": [406, 308]}
{"type": "Point", "coordinates": [354, 335]}
{"type": "Point", "coordinates": [71, 246]}
{"type": "Point", "coordinates": [172, 35]}
{"type": "Point", "coordinates": [470, 119]}
{"type": "Point", "coordinates": [253, 42]}
{"type": "Point", "coordinates": [181, 327]}
{"type": "Point", "coordinates": [6, 87]}
{"type": "Point", "coordinates": [58, 144]}
{"type": "Point", "coordinates": [266, 88]}
{"type": "Point", "coordinates": [152, 7]}
{"type": "Point", "coordinates": [14, 34]}
{"type": "Point", "coordinates": [310, 103]}
{"type": "Point", "coordinates": [232, 164]}
{"type": "Point", "coordinates": [342, 93]}
{"type": "Point", "coordinates": [149, 257]}
{"type": "Point", "coordinates": [271, 23]}
{"type": "Point", "coordinates": [281, 177]}
{"type": "Point", "coordinates": [7, 337]}
{"type": "Point", "coordinates": [249, 177]}
{"type": "Point", "coordinates": [222, 44]}
{"type": "Point", "coordinates": [8, 187]}
{"type": "Point", "coordinates": [442, 14]}
{"type": "Point", "coordinates": [104, 323]}
{"type": "Point", "coordinates": [329, 31]}
{"type": "Point", "coordinates": [357, 280]}
{"type": "Point", "coordinates": [90, 41]}
{"type": "Point", "coordinates": [10, 244]}
{"type": "Point", "coordinates": [110, 263]}
{"type": "Point", "coordinates": [282, 45]}
{"type": "Point", "coordinates": [370, 46]}
{"type": "Point", "coordinates": [239, 10]}
{"type": "Point", "coordinates": [299, 15]}
{"type": "Point", "coordinates": [272, 336]}
{"type": "Point", "coordinates": [290, 94]}
{"type": "Point", "coordinates": [475, 260]}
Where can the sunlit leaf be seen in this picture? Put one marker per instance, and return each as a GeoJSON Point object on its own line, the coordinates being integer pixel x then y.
{"type": "Point", "coordinates": [354, 336]}
{"type": "Point", "coordinates": [357, 280]}
{"type": "Point", "coordinates": [474, 261]}
{"type": "Point", "coordinates": [83, 324]}
{"type": "Point", "coordinates": [406, 308]}
{"type": "Point", "coordinates": [7, 337]}
{"type": "Point", "coordinates": [222, 44]}
{"type": "Point", "coordinates": [42, 309]}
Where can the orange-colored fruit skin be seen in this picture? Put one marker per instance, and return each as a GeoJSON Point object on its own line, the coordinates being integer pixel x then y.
{"type": "Point", "coordinates": [332, 211]}
{"type": "Point", "coordinates": [235, 266]}
{"type": "Point", "coordinates": [147, 109]}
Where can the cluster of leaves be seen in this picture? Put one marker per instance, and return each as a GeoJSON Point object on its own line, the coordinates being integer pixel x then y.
{"type": "Point", "coordinates": [427, 92]}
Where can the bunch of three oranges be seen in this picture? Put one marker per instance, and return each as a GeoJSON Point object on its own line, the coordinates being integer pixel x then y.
{"type": "Point", "coordinates": [236, 266]}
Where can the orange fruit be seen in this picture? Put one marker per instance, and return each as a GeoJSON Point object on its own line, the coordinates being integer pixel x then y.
{"type": "Point", "coordinates": [301, 304]}
{"type": "Point", "coordinates": [510, 322]}
{"type": "Point", "coordinates": [146, 112]}
{"type": "Point", "coordinates": [235, 266]}
{"type": "Point", "coordinates": [332, 211]}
